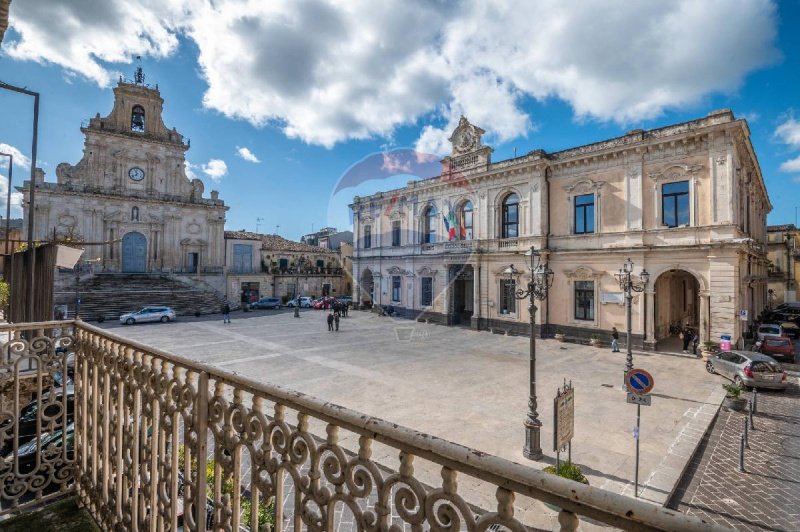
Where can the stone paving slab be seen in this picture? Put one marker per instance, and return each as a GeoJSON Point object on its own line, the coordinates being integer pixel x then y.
{"type": "Point", "coordinates": [766, 496]}
{"type": "Point", "coordinates": [465, 386]}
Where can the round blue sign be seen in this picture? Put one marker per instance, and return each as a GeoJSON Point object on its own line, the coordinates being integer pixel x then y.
{"type": "Point", "coordinates": [639, 381]}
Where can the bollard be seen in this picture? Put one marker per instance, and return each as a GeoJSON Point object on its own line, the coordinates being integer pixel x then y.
{"type": "Point", "coordinates": [746, 434]}
{"type": "Point", "coordinates": [741, 453]}
{"type": "Point", "coordinates": [755, 400]}
{"type": "Point", "coordinates": [750, 413]}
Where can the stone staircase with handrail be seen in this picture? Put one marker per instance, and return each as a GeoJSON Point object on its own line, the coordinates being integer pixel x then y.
{"type": "Point", "coordinates": [107, 295]}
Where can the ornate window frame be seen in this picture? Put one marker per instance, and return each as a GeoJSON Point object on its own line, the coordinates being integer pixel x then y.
{"type": "Point", "coordinates": [500, 209]}
{"type": "Point", "coordinates": [584, 273]}
{"type": "Point", "coordinates": [674, 174]}
{"type": "Point", "coordinates": [520, 279]}
{"type": "Point", "coordinates": [429, 232]}
{"type": "Point", "coordinates": [580, 188]}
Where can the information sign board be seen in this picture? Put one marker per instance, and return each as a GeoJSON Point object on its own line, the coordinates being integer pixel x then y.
{"type": "Point", "coordinates": [564, 419]}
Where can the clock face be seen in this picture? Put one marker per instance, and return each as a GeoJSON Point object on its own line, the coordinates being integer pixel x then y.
{"type": "Point", "coordinates": [464, 140]}
{"type": "Point", "coordinates": [136, 173]}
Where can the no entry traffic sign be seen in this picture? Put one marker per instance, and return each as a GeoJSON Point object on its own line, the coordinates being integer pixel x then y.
{"type": "Point", "coordinates": [639, 381]}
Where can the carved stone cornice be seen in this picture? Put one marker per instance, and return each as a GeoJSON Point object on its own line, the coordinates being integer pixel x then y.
{"type": "Point", "coordinates": [675, 172]}
{"type": "Point", "coordinates": [583, 273]}
{"type": "Point", "coordinates": [396, 270]}
{"type": "Point", "coordinates": [427, 271]}
{"type": "Point", "coordinates": [584, 186]}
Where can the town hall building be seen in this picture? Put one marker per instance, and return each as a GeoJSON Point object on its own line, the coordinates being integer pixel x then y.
{"type": "Point", "coordinates": [687, 202]}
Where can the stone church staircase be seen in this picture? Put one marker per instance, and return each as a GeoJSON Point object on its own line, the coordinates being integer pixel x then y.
{"type": "Point", "coordinates": [108, 295]}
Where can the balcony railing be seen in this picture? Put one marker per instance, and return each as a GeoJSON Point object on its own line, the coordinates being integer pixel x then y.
{"type": "Point", "coordinates": [161, 442]}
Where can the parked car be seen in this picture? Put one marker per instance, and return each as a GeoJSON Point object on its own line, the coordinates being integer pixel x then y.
{"type": "Point", "coordinates": [267, 302]}
{"type": "Point", "coordinates": [50, 443]}
{"type": "Point", "coordinates": [769, 329]}
{"type": "Point", "coordinates": [305, 302]}
{"type": "Point", "coordinates": [162, 314]}
{"type": "Point", "coordinates": [748, 368]}
{"type": "Point", "coordinates": [778, 316]}
{"type": "Point", "coordinates": [348, 300]}
{"type": "Point", "coordinates": [27, 418]}
{"type": "Point", "coordinates": [790, 329]}
{"type": "Point", "coordinates": [777, 346]}
{"type": "Point", "coordinates": [323, 303]}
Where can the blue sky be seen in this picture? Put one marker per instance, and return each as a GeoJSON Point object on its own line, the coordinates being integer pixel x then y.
{"type": "Point", "coordinates": [311, 88]}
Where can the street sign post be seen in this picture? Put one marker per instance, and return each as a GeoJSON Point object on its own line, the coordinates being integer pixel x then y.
{"type": "Point", "coordinates": [563, 421]}
{"type": "Point", "coordinates": [643, 400]}
{"type": "Point", "coordinates": [640, 383]}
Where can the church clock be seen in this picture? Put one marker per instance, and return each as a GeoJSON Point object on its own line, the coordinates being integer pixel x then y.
{"type": "Point", "coordinates": [136, 173]}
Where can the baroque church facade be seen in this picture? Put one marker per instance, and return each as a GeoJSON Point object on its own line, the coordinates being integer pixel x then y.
{"type": "Point", "coordinates": [687, 202]}
{"type": "Point", "coordinates": [129, 200]}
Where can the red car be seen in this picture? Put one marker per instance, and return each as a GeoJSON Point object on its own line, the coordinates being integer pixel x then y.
{"type": "Point", "coordinates": [323, 303]}
{"type": "Point", "coordinates": [778, 346]}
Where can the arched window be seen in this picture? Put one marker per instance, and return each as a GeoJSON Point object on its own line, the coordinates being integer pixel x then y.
{"type": "Point", "coordinates": [137, 119]}
{"type": "Point", "coordinates": [429, 226]}
{"type": "Point", "coordinates": [135, 214]}
{"type": "Point", "coordinates": [464, 230]}
{"type": "Point", "coordinates": [510, 220]}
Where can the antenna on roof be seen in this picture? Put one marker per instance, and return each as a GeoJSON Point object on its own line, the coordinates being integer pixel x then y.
{"type": "Point", "coordinates": [138, 76]}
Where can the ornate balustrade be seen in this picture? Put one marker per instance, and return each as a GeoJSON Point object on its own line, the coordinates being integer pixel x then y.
{"type": "Point", "coordinates": [162, 441]}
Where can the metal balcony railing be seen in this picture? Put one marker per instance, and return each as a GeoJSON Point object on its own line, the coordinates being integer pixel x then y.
{"type": "Point", "coordinates": [162, 442]}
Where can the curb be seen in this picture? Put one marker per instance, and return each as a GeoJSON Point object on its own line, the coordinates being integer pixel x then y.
{"type": "Point", "coordinates": [663, 482]}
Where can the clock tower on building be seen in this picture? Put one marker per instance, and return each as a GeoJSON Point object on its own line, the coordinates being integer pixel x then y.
{"type": "Point", "coordinates": [130, 190]}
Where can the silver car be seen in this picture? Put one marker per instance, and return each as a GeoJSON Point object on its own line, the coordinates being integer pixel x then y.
{"type": "Point", "coordinates": [750, 369]}
{"type": "Point", "coordinates": [162, 314]}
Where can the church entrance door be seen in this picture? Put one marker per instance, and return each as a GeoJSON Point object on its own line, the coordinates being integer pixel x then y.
{"type": "Point", "coordinates": [134, 253]}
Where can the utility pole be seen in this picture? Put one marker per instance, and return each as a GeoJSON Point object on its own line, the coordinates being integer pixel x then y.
{"type": "Point", "coordinates": [258, 223]}
{"type": "Point", "coordinates": [32, 189]}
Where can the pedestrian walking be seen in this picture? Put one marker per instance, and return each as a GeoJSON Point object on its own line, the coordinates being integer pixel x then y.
{"type": "Point", "coordinates": [345, 308]}
{"type": "Point", "coordinates": [226, 313]}
{"type": "Point", "coordinates": [686, 336]}
{"type": "Point", "coordinates": [614, 340]}
{"type": "Point", "coordinates": [330, 321]}
{"type": "Point", "coordinates": [336, 321]}
{"type": "Point", "coordinates": [695, 342]}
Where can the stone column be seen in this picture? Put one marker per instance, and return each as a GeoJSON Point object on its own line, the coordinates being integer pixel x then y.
{"type": "Point", "coordinates": [705, 316]}
{"type": "Point", "coordinates": [650, 321]}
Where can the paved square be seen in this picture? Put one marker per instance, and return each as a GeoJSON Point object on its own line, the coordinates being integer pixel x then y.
{"type": "Point", "coordinates": [465, 386]}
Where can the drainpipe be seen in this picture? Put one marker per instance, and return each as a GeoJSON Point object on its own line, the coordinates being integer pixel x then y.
{"type": "Point", "coordinates": [545, 331]}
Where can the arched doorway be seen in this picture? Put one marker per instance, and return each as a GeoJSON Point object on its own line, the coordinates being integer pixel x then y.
{"type": "Point", "coordinates": [461, 277]}
{"type": "Point", "coordinates": [367, 295]}
{"type": "Point", "coordinates": [134, 253]}
{"type": "Point", "coordinates": [676, 304]}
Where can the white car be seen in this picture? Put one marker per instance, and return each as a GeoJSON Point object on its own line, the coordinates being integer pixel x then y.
{"type": "Point", "coordinates": [162, 314]}
{"type": "Point", "coordinates": [770, 329]}
{"type": "Point", "coordinates": [305, 302]}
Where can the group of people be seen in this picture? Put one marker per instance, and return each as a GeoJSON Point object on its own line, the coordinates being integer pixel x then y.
{"type": "Point", "coordinates": [687, 334]}
{"type": "Point", "coordinates": [338, 310]}
{"type": "Point", "coordinates": [689, 337]}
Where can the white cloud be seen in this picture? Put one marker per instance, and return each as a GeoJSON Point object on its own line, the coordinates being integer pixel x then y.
{"type": "Point", "coordinates": [189, 169]}
{"type": "Point", "coordinates": [216, 169]}
{"type": "Point", "coordinates": [82, 36]}
{"type": "Point", "coordinates": [792, 165]}
{"type": "Point", "coordinates": [246, 154]}
{"type": "Point", "coordinates": [789, 132]}
{"type": "Point", "coordinates": [327, 71]}
{"type": "Point", "coordinates": [20, 159]}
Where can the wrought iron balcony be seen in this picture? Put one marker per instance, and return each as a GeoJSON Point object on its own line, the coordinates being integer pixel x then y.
{"type": "Point", "coordinates": [153, 441]}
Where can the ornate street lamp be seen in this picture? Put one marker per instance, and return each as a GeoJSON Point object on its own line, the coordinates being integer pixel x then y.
{"type": "Point", "coordinates": [629, 284]}
{"type": "Point", "coordinates": [538, 286]}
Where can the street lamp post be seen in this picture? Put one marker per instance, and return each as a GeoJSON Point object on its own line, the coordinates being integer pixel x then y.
{"type": "Point", "coordinates": [629, 284]}
{"type": "Point", "coordinates": [538, 286]}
